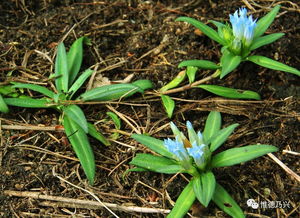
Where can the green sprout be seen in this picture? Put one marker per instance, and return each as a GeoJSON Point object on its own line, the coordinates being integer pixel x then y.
{"type": "Point", "coordinates": [195, 155]}
{"type": "Point", "coordinates": [238, 40]}
{"type": "Point", "coordinates": [68, 80]}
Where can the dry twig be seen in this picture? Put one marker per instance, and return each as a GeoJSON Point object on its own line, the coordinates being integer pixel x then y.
{"type": "Point", "coordinates": [282, 165]}
{"type": "Point", "coordinates": [77, 203]}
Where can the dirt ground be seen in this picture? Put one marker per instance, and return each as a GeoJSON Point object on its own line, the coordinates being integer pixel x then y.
{"type": "Point", "coordinates": [39, 173]}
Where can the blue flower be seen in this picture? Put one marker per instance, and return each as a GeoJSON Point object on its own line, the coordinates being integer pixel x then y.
{"type": "Point", "coordinates": [198, 154]}
{"type": "Point", "coordinates": [243, 28]}
{"type": "Point", "coordinates": [185, 150]}
{"type": "Point", "coordinates": [193, 136]}
{"type": "Point", "coordinates": [178, 134]}
{"type": "Point", "coordinates": [177, 148]}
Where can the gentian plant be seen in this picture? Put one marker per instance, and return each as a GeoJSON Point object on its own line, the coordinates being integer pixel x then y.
{"type": "Point", "coordinates": [238, 39]}
{"type": "Point", "coordinates": [68, 81]}
{"type": "Point", "coordinates": [195, 155]}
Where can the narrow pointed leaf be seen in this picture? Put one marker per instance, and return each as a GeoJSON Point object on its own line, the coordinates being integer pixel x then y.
{"type": "Point", "coordinates": [175, 82]}
{"type": "Point", "coordinates": [76, 114]}
{"type": "Point", "coordinates": [264, 23]}
{"type": "Point", "coordinates": [143, 84]}
{"type": "Point", "coordinates": [3, 105]}
{"type": "Point", "coordinates": [79, 82]}
{"type": "Point", "coordinates": [265, 40]}
{"type": "Point", "coordinates": [36, 88]}
{"type": "Point", "coordinates": [212, 125]}
{"type": "Point", "coordinates": [238, 155]}
{"type": "Point", "coordinates": [230, 93]}
{"type": "Point", "coordinates": [220, 27]}
{"type": "Point", "coordinates": [61, 69]}
{"type": "Point", "coordinates": [74, 57]}
{"type": "Point", "coordinates": [169, 104]}
{"type": "Point", "coordinates": [81, 146]}
{"type": "Point", "coordinates": [272, 64]}
{"type": "Point", "coordinates": [27, 102]}
{"type": "Point", "coordinates": [226, 203]}
{"type": "Point", "coordinates": [229, 62]}
{"type": "Point", "coordinates": [7, 90]}
{"type": "Point", "coordinates": [191, 73]}
{"type": "Point", "coordinates": [217, 24]}
{"type": "Point", "coordinates": [136, 169]}
{"type": "Point", "coordinates": [202, 64]}
{"type": "Point", "coordinates": [184, 202]}
{"type": "Point", "coordinates": [204, 187]}
{"type": "Point", "coordinates": [211, 33]}
{"type": "Point", "coordinates": [219, 138]}
{"type": "Point", "coordinates": [153, 144]}
{"type": "Point", "coordinates": [110, 92]}
{"type": "Point", "coordinates": [97, 135]}
{"type": "Point", "coordinates": [156, 163]}
{"type": "Point", "coordinates": [115, 119]}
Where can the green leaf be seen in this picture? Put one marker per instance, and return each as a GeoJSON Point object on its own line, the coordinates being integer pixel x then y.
{"type": "Point", "coordinates": [115, 119]}
{"type": "Point", "coordinates": [27, 102]}
{"type": "Point", "coordinates": [219, 25]}
{"type": "Point", "coordinates": [81, 146]}
{"type": "Point", "coordinates": [175, 82]}
{"type": "Point", "coordinates": [265, 40]}
{"type": "Point", "coordinates": [272, 64]}
{"type": "Point", "coordinates": [211, 33]}
{"type": "Point", "coordinates": [97, 135]}
{"type": "Point", "coordinates": [226, 203]}
{"type": "Point", "coordinates": [204, 187]}
{"type": "Point", "coordinates": [238, 155]}
{"type": "Point", "coordinates": [202, 64]}
{"type": "Point", "coordinates": [264, 23]}
{"type": "Point", "coordinates": [169, 104]}
{"type": "Point", "coordinates": [61, 69]}
{"type": "Point", "coordinates": [59, 97]}
{"type": "Point", "coordinates": [79, 82]}
{"type": "Point", "coordinates": [184, 202]}
{"type": "Point", "coordinates": [76, 114]}
{"type": "Point", "coordinates": [3, 106]}
{"type": "Point", "coordinates": [219, 138]}
{"type": "Point", "coordinates": [153, 144]}
{"type": "Point", "coordinates": [156, 163]}
{"type": "Point", "coordinates": [212, 125]}
{"type": "Point", "coordinates": [36, 88]}
{"type": "Point", "coordinates": [143, 84]}
{"type": "Point", "coordinates": [191, 73]}
{"type": "Point", "coordinates": [74, 58]}
{"type": "Point", "coordinates": [229, 62]}
{"type": "Point", "coordinates": [110, 92]}
{"type": "Point", "coordinates": [7, 90]}
{"type": "Point", "coordinates": [230, 93]}
{"type": "Point", "coordinates": [136, 169]}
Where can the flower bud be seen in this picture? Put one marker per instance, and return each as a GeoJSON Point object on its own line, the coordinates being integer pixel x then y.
{"type": "Point", "coordinates": [243, 30]}
{"type": "Point", "coordinates": [185, 150]}
{"type": "Point", "coordinates": [227, 33]}
{"type": "Point", "coordinates": [201, 155]}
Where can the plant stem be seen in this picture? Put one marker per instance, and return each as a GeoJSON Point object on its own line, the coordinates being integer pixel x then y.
{"type": "Point", "coordinates": [189, 86]}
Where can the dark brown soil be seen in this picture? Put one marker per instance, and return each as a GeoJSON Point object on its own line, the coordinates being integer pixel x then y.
{"type": "Point", "coordinates": [124, 32]}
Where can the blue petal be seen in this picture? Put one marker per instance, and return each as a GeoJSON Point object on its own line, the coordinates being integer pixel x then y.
{"type": "Point", "coordinates": [177, 148]}
{"type": "Point", "coordinates": [243, 12]}
{"type": "Point", "coordinates": [200, 136]}
{"type": "Point", "coordinates": [242, 27]}
{"type": "Point", "coordinates": [198, 154]}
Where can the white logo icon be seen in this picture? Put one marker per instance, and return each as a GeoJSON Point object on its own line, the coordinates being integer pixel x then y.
{"type": "Point", "coordinates": [252, 203]}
